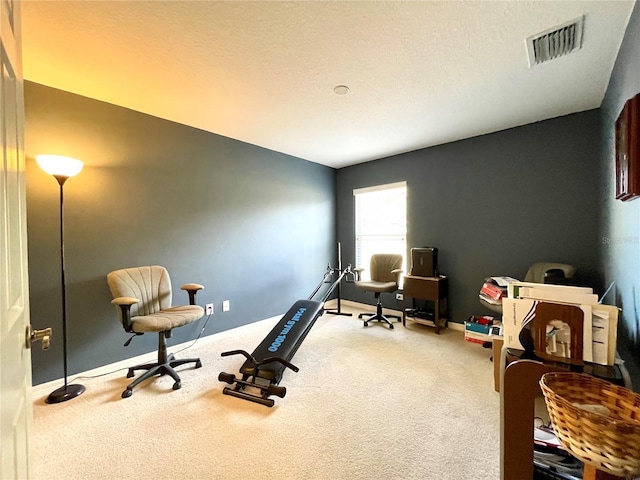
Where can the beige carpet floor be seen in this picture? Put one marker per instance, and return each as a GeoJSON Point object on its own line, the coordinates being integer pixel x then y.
{"type": "Point", "coordinates": [368, 403]}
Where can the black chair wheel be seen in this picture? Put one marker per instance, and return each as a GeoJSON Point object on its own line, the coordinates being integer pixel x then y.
{"type": "Point", "coordinates": [127, 393]}
{"type": "Point", "coordinates": [366, 324]}
{"type": "Point", "coordinates": [276, 390]}
{"type": "Point", "coordinates": [198, 364]}
{"type": "Point", "coordinates": [130, 374]}
{"type": "Point", "coordinates": [227, 377]}
{"type": "Point", "coordinates": [177, 385]}
{"type": "Point", "coordinates": [390, 326]}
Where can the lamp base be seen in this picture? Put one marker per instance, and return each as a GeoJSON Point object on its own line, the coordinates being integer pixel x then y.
{"type": "Point", "coordinates": [65, 393]}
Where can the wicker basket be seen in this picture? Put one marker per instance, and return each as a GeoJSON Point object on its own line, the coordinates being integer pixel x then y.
{"type": "Point", "coordinates": [607, 438]}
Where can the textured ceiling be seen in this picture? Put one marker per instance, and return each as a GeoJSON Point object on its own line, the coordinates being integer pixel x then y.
{"type": "Point", "coordinates": [420, 73]}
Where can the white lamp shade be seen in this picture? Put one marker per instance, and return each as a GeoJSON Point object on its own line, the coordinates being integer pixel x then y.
{"type": "Point", "coordinates": [58, 165]}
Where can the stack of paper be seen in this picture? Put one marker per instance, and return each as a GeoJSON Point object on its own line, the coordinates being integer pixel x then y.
{"type": "Point", "coordinates": [600, 322]}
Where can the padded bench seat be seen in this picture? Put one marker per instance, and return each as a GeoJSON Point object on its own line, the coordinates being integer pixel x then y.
{"type": "Point", "coordinates": [284, 339]}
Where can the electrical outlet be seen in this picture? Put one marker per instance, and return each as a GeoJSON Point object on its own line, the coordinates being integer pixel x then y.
{"type": "Point", "coordinates": [399, 296]}
{"type": "Point", "coordinates": [225, 306]}
{"type": "Point", "coordinates": [209, 309]}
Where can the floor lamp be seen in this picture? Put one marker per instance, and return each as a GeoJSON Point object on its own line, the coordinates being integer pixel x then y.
{"type": "Point", "coordinates": [62, 168]}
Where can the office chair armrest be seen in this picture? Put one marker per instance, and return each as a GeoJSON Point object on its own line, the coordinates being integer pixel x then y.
{"type": "Point", "coordinates": [128, 301]}
{"type": "Point", "coordinates": [358, 271]}
{"type": "Point", "coordinates": [397, 272]}
{"type": "Point", "coordinates": [192, 289]}
{"type": "Point", "coordinates": [125, 306]}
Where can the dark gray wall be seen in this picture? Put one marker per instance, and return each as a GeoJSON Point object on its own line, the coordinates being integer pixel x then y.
{"type": "Point", "coordinates": [621, 233]}
{"type": "Point", "coordinates": [257, 227]}
{"type": "Point", "coordinates": [493, 205]}
{"type": "Point", "coordinates": [254, 226]}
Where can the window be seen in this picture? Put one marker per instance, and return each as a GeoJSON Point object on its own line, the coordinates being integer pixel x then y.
{"type": "Point", "coordinates": [381, 222]}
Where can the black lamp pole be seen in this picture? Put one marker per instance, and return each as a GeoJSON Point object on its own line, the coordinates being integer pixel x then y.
{"type": "Point", "coordinates": [66, 392]}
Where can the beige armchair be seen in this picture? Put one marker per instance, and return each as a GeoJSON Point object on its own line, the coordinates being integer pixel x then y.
{"type": "Point", "coordinates": [144, 297]}
{"type": "Point", "coordinates": [385, 270]}
{"type": "Point", "coordinates": [549, 272]}
{"type": "Point", "coordinates": [541, 272]}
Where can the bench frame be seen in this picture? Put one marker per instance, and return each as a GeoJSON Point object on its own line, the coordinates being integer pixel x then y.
{"type": "Point", "coordinates": [263, 369]}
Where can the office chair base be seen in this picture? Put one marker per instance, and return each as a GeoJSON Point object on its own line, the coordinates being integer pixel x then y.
{"type": "Point", "coordinates": [159, 368]}
{"type": "Point", "coordinates": [379, 317]}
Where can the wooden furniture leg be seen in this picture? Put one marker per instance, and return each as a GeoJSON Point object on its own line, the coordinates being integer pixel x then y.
{"type": "Point", "coordinates": [519, 389]}
{"type": "Point", "coordinates": [592, 473]}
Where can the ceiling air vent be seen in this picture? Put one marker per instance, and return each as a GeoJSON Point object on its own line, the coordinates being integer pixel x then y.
{"type": "Point", "coordinates": [555, 42]}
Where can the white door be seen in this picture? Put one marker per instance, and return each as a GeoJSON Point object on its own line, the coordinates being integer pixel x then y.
{"type": "Point", "coordinates": [15, 358]}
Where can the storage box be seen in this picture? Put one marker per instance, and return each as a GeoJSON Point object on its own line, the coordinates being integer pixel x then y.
{"type": "Point", "coordinates": [479, 324]}
{"type": "Point", "coordinates": [475, 337]}
{"type": "Point", "coordinates": [494, 292]}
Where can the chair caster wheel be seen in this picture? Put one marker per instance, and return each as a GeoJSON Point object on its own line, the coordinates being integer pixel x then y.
{"type": "Point", "coordinates": [177, 385]}
{"type": "Point", "coordinates": [127, 393]}
{"type": "Point", "coordinates": [198, 364]}
{"type": "Point", "coordinates": [390, 327]}
{"type": "Point", "coordinates": [366, 324]}
{"type": "Point", "coordinates": [130, 374]}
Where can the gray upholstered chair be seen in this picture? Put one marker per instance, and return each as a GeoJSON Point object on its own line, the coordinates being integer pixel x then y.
{"type": "Point", "coordinates": [549, 272]}
{"type": "Point", "coordinates": [385, 270]}
{"type": "Point", "coordinates": [144, 297]}
{"type": "Point", "coordinates": [541, 272]}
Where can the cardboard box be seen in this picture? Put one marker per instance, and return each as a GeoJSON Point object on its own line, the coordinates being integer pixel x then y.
{"type": "Point", "coordinates": [475, 337]}
{"type": "Point", "coordinates": [471, 326]}
{"type": "Point", "coordinates": [564, 293]}
{"type": "Point", "coordinates": [493, 291]}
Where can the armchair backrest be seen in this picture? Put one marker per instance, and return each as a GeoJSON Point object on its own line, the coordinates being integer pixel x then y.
{"type": "Point", "coordinates": [537, 271]}
{"type": "Point", "coordinates": [151, 285]}
{"type": "Point", "coordinates": [381, 266]}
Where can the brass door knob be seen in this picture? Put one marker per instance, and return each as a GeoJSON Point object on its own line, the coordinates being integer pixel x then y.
{"type": "Point", "coordinates": [43, 336]}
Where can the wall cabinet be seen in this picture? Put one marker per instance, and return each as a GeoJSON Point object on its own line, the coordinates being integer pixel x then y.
{"type": "Point", "coordinates": [628, 151]}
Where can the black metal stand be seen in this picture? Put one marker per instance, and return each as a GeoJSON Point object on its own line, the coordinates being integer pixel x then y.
{"type": "Point", "coordinates": [379, 316]}
{"type": "Point", "coordinates": [339, 269]}
{"type": "Point", "coordinates": [66, 392]}
{"type": "Point", "coordinates": [164, 366]}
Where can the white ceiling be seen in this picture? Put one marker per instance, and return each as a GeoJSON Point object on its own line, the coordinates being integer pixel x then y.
{"type": "Point", "coordinates": [420, 73]}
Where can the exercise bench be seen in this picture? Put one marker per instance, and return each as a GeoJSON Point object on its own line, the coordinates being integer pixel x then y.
{"type": "Point", "coordinates": [263, 369]}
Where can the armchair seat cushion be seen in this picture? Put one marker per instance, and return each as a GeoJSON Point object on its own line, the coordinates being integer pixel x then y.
{"type": "Point", "coordinates": [167, 318]}
{"type": "Point", "coordinates": [377, 286]}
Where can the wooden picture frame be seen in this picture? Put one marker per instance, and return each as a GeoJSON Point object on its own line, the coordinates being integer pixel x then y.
{"type": "Point", "coordinates": [627, 138]}
{"type": "Point", "coordinates": [553, 320]}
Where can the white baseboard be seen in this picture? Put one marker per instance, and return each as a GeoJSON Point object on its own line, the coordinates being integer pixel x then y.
{"type": "Point", "coordinates": [332, 304]}
{"type": "Point", "coordinates": [45, 388]}
{"type": "Point", "coordinates": [458, 327]}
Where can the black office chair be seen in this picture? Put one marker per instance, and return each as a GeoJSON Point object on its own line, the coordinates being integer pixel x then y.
{"type": "Point", "coordinates": [385, 269]}
{"type": "Point", "coordinates": [144, 297]}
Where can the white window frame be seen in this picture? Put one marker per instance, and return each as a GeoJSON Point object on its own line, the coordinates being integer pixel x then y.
{"type": "Point", "coordinates": [385, 235]}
